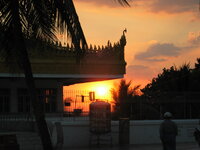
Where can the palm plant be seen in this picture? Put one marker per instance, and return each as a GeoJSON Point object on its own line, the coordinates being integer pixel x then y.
{"type": "Point", "coordinates": [23, 19]}
{"type": "Point", "coordinates": [123, 95]}
{"type": "Point", "coordinates": [39, 19]}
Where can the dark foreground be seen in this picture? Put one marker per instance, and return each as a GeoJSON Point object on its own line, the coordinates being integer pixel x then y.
{"type": "Point", "coordinates": [180, 146]}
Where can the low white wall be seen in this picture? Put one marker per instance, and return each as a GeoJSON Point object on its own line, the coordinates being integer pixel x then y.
{"type": "Point", "coordinates": [76, 134]}
{"type": "Point", "coordinates": [147, 132]}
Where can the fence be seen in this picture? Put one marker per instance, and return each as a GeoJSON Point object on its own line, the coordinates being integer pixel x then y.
{"type": "Point", "coordinates": [77, 101]}
{"type": "Point", "coordinates": [16, 117]}
{"type": "Point", "coordinates": [16, 122]}
{"type": "Point", "coordinates": [76, 104]}
{"type": "Point", "coordinates": [183, 105]}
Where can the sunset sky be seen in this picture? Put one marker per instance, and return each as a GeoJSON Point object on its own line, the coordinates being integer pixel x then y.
{"type": "Point", "coordinates": [161, 33]}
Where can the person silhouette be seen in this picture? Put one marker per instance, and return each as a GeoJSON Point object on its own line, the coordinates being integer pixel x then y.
{"type": "Point", "coordinates": [168, 132]}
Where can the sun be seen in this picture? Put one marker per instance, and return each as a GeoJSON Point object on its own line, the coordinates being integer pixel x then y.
{"type": "Point", "coordinates": [101, 91]}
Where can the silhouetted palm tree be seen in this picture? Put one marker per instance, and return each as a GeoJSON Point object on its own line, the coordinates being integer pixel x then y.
{"type": "Point", "coordinates": [123, 95]}
{"type": "Point", "coordinates": [24, 19]}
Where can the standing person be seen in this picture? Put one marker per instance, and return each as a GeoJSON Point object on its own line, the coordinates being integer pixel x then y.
{"type": "Point", "coordinates": [168, 132]}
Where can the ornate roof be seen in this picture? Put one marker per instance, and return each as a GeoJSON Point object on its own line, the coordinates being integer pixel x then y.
{"type": "Point", "coordinates": [52, 60]}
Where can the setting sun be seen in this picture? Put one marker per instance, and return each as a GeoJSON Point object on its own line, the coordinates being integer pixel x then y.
{"type": "Point", "coordinates": [101, 91]}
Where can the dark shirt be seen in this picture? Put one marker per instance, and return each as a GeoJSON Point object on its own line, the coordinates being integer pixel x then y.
{"type": "Point", "coordinates": [168, 128]}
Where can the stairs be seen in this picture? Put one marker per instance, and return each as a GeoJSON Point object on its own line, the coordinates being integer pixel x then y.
{"type": "Point", "coordinates": [28, 141]}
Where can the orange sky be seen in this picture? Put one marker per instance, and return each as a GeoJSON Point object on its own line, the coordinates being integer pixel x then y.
{"type": "Point", "coordinates": [161, 33]}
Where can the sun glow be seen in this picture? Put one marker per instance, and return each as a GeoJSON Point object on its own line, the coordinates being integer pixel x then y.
{"type": "Point", "coordinates": [78, 96]}
{"type": "Point", "coordinates": [102, 91]}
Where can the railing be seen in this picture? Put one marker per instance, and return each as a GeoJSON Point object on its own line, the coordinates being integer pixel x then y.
{"type": "Point", "coordinates": [16, 122]}
{"type": "Point", "coordinates": [76, 102]}
{"type": "Point", "coordinates": [71, 116]}
{"type": "Point", "coordinates": [16, 117]}
{"type": "Point", "coordinates": [183, 105]}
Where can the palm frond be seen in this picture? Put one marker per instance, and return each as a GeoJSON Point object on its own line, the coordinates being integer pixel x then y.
{"type": "Point", "coordinates": [41, 21]}
{"type": "Point", "coordinates": [123, 2]}
{"type": "Point", "coordinates": [67, 18]}
{"type": "Point", "coordinates": [10, 24]}
{"type": "Point", "coordinates": [6, 15]}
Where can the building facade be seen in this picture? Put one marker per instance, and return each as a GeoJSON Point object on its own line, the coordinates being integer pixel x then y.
{"type": "Point", "coordinates": [55, 66]}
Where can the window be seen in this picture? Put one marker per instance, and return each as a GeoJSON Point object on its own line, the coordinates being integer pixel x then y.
{"type": "Point", "coordinates": [4, 100]}
{"type": "Point", "coordinates": [48, 97]}
{"type": "Point", "coordinates": [23, 100]}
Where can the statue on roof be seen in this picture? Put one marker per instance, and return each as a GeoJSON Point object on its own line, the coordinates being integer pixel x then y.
{"type": "Point", "coordinates": [123, 38]}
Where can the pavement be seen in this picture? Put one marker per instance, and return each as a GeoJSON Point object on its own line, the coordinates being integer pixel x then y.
{"type": "Point", "coordinates": [180, 146]}
{"type": "Point", "coordinates": [30, 141]}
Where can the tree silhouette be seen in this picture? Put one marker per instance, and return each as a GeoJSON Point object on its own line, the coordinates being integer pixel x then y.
{"type": "Point", "coordinates": [122, 96]}
{"type": "Point", "coordinates": [25, 19]}
{"type": "Point", "coordinates": [176, 86]}
{"type": "Point", "coordinates": [172, 79]}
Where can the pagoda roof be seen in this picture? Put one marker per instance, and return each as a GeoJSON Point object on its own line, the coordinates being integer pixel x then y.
{"type": "Point", "coordinates": [52, 60]}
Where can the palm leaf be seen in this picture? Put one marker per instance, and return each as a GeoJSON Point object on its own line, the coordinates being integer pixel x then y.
{"type": "Point", "coordinates": [123, 2]}
{"type": "Point", "coordinates": [67, 19]}
{"type": "Point", "coordinates": [41, 21]}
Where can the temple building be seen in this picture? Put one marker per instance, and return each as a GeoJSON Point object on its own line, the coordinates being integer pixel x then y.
{"type": "Point", "coordinates": [55, 66]}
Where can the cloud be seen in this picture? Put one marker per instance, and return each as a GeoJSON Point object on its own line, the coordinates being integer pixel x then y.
{"type": "Point", "coordinates": [174, 6]}
{"type": "Point", "coordinates": [194, 38]}
{"type": "Point", "coordinates": [108, 3]}
{"type": "Point", "coordinates": [139, 72]}
{"type": "Point", "coordinates": [159, 52]}
{"type": "Point", "coordinates": [168, 6]}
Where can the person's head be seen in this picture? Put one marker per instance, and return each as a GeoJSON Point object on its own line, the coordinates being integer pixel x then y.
{"type": "Point", "coordinates": [167, 115]}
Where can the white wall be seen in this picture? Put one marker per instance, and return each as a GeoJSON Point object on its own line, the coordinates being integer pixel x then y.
{"type": "Point", "coordinates": [76, 133]}
{"type": "Point", "coordinates": [147, 132]}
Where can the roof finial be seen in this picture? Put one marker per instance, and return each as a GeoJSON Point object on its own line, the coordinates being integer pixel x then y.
{"type": "Point", "coordinates": [125, 31]}
{"type": "Point", "coordinates": [123, 38]}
